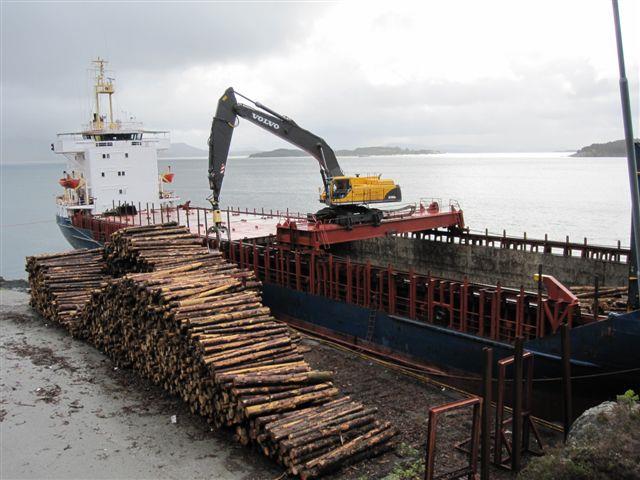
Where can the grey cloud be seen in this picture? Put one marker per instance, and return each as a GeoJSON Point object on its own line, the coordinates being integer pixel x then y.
{"type": "Point", "coordinates": [54, 41]}
{"type": "Point", "coordinates": [47, 47]}
{"type": "Point", "coordinates": [532, 111]}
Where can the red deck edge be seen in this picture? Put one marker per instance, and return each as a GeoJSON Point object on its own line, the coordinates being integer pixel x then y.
{"type": "Point", "coordinates": [316, 235]}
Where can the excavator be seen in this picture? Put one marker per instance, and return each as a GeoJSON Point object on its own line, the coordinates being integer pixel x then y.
{"type": "Point", "coordinates": [347, 197]}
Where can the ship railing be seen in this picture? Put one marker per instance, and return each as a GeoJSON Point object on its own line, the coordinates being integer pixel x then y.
{"type": "Point", "coordinates": [115, 127]}
{"type": "Point", "coordinates": [198, 219]}
{"type": "Point", "coordinates": [61, 201]}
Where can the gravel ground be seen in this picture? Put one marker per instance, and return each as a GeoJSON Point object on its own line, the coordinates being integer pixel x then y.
{"type": "Point", "coordinates": [405, 402]}
{"type": "Point", "coordinates": [67, 412]}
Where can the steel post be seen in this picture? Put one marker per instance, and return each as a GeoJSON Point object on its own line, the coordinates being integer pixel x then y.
{"type": "Point", "coordinates": [516, 444]}
{"type": "Point", "coordinates": [487, 386]}
{"type": "Point", "coordinates": [567, 399]}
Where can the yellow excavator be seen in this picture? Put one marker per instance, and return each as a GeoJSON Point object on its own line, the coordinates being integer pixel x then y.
{"type": "Point", "coordinates": [346, 197]}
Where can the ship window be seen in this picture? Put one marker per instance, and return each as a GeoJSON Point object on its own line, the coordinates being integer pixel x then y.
{"type": "Point", "coordinates": [118, 173]}
{"type": "Point", "coordinates": [104, 155]}
{"type": "Point", "coordinates": [120, 191]}
{"type": "Point", "coordinates": [123, 173]}
{"type": "Point", "coordinates": [126, 155]}
{"type": "Point", "coordinates": [103, 174]}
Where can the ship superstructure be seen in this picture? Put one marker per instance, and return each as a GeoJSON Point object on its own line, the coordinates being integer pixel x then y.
{"type": "Point", "coordinates": [112, 165]}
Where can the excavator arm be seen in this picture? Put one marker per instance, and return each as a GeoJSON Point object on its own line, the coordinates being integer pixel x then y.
{"type": "Point", "coordinates": [344, 195]}
{"type": "Point", "coordinates": [222, 130]}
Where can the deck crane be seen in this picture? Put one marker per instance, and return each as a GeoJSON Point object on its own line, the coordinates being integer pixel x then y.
{"type": "Point", "coordinates": [346, 197]}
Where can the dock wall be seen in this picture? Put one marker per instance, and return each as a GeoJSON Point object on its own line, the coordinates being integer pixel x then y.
{"type": "Point", "coordinates": [482, 264]}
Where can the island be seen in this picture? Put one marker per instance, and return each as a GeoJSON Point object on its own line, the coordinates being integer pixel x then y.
{"type": "Point", "coordinates": [356, 152]}
{"type": "Point", "coordinates": [616, 148]}
{"type": "Point", "coordinates": [182, 150]}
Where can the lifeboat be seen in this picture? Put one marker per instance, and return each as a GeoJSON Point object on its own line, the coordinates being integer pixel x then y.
{"type": "Point", "coordinates": [68, 182]}
{"type": "Point", "coordinates": [167, 177]}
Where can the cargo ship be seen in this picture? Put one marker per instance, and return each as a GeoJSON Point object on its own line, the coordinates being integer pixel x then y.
{"type": "Point", "coordinates": [110, 163]}
{"type": "Point", "coordinates": [414, 287]}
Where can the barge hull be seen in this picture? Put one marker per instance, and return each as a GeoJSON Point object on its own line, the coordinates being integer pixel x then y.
{"type": "Point", "coordinates": [596, 347]}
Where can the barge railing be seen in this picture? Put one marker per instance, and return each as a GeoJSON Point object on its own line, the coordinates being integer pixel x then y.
{"type": "Point", "coordinates": [566, 248]}
{"type": "Point", "coordinates": [491, 311]}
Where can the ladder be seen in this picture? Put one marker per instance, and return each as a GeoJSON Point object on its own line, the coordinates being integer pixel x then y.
{"type": "Point", "coordinates": [373, 313]}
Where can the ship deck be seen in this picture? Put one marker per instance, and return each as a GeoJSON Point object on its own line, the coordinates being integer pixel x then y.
{"type": "Point", "coordinates": [287, 227]}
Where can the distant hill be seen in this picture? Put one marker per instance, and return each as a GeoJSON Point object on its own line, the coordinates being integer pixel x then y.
{"type": "Point", "coordinates": [279, 152]}
{"type": "Point", "coordinates": [356, 152]}
{"type": "Point", "coordinates": [610, 149]}
{"type": "Point", "coordinates": [373, 151]}
{"type": "Point", "coordinates": [177, 150]}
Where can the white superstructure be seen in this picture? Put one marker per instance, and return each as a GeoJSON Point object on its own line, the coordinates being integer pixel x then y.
{"type": "Point", "coordinates": [111, 163]}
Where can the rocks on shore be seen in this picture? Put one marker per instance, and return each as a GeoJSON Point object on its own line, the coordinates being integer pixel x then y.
{"type": "Point", "coordinates": [21, 285]}
{"type": "Point", "coordinates": [603, 444]}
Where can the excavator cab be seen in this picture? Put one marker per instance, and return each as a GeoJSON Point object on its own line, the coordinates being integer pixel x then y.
{"type": "Point", "coordinates": [361, 190]}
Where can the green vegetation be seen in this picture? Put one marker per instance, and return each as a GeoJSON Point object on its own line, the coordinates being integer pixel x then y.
{"type": "Point", "coordinates": [411, 465]}
{"type": "Point", "coordinates": [629, 397]}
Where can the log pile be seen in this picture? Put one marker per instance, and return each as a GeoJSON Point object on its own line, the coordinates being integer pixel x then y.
{"type": "Point", "coordinates": [61, 284]}
{"type": "Point", "coordinates": [145, 248]}
{"type": "Point", "coordinates": [195, 325]}
{"type": "Point", "coordinates": [610, 299]}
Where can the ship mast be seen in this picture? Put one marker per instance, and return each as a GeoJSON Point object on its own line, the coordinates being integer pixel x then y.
{"type": "Point", "coordinates": [103, 86]}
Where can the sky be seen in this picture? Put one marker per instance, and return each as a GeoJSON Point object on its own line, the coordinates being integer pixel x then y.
{"type": "Point", "coordinates": [485, 76]}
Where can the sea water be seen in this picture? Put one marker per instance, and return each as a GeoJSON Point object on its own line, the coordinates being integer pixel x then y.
{"type": "Point", "coordinates": [536, 193]}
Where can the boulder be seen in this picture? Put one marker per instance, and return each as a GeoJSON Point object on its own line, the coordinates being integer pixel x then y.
{"type": "Point", "coordinates": [603, 444]}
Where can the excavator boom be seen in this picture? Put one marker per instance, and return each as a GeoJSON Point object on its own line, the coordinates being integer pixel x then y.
{"type": "Point", "coordinates": [226, 119]}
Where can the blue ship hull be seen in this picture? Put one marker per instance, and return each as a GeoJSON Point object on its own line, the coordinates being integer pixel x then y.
{"type": "Point", "coordinates": [77, 237]}
{"type": "Point", "coordinates": [609, 345]}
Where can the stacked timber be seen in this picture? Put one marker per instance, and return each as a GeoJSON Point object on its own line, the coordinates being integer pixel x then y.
{"type": "Point", "coordinates": [202, 333]}
{"type": "Point", "coordinates": [195, 325]}
{"type": "Point", "coordinates": [144, 248]}
{"type": "Point", "coordinates": [61, 284]}
{"type": "Point", "coordinates": [610, 299]}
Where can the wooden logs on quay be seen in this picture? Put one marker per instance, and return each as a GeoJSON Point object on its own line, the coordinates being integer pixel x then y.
{"type": "Point", "coordinates": [195, 324]}
{"type": "Point", "coordinates": [61, 284]}
{"type": "Point", "coordinates": [144, 248]}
